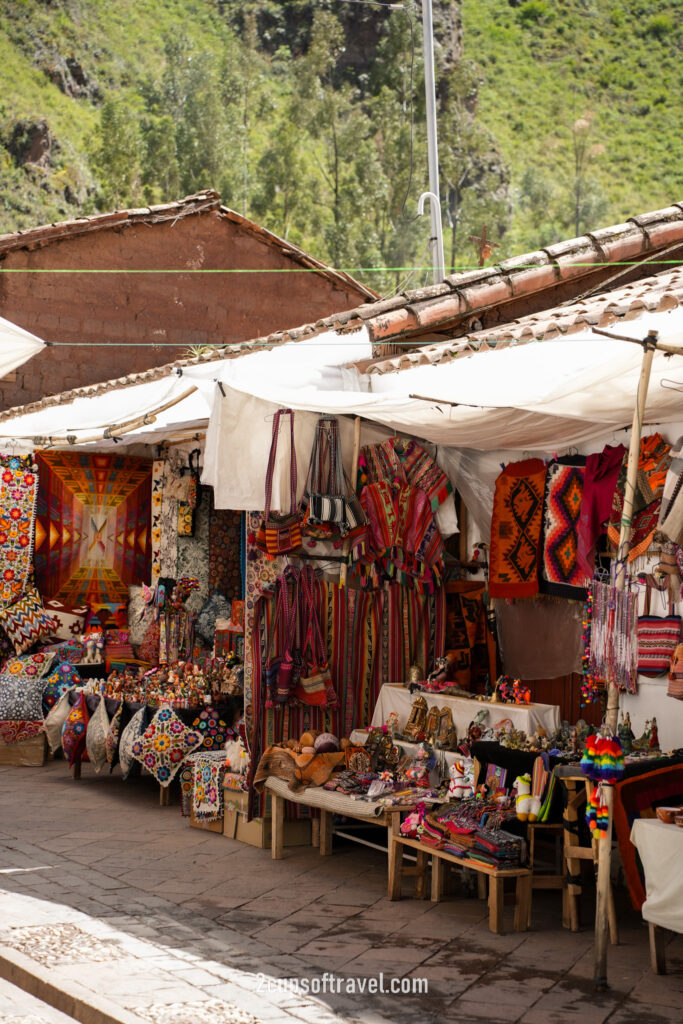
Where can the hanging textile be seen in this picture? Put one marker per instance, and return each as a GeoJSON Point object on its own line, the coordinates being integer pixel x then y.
{"type": "Point", "coordinates": [599, 482]}
{"type": "Point", "coordinates": [225, 540]}
{"type": "Point", "coordinates": [18, 495]}
{"type": "Point", "coordinates": [516, 529]}
{"type": "Point", "coordinates": [653, 465]}
{"type": "Point", "coordinates": [671, 511]}
{"type": "Point", "coordinates": [192, 554]}
{"type": "Point", "coordinates": [157, 492]}
{"type": "Point", "coordinates": [403, 461]}
{"type": "Point", "coordinates": [614, 639]}
{"type": "Point", "coordinates": [466, 633]}
{"type": "Point", "coordinates": [93, 526]}
{"type": "Point", "coordinates": [561, 574]}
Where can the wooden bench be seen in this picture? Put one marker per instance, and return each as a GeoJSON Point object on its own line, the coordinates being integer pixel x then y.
{"type": "Point", "coordinates": [439, 859]}
{"type": "Point", "coordinates": [329, 805]}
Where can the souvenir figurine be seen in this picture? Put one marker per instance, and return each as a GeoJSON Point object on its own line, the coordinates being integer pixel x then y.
{"type": "Point", "coordinates": [461, 773]}
{"type": "Point", "coordinates": [523, 798]}
{"type": "Point", "coordinates": [654, 735]}
{"type": "Point", "coordinates": [625, 733]}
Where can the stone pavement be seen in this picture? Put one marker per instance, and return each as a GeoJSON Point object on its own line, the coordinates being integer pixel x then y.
{"type": "Point", "coordinates": [113, 910]}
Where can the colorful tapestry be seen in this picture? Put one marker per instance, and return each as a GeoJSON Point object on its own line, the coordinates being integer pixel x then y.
{"type": "Point", "coordinates": [207, 785]}
{"type": "Point", "coordinates": [466, 634]}
{"type": "Point", "coordinates": [225, 539]}
{"type": "Point", "coordinates": [516, 529]}
{"type": "Point", "coordinates": [653, 465]}
{"type": "Point", "coordinates": [17, 732]}
{"type": "Point", "coordinates": [168, 525]}
{"type": "Point", "coordinates": [560, 571]}
{"type": "Point", "coordinates": [93, 526]}
{"type": "Point", "coordinates": [18, 495]}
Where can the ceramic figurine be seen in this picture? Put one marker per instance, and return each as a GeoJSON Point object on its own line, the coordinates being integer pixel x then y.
{"type": "Point", "coordinates": [625, 733]}
{"type": "Point", "coordinates": [462, 778]}
{"type": "Point", "coordinates": [654, 735]}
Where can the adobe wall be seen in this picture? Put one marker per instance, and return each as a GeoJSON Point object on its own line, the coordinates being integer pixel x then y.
{"type": "Point", "coordinates": [113, 312]}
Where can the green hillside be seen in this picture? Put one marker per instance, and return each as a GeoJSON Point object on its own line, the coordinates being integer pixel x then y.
{"type": "Point", "coordinates": [553, 117]}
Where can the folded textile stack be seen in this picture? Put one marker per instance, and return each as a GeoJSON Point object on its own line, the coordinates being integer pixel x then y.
{"type": "Point", "coordinates": [497, 848]}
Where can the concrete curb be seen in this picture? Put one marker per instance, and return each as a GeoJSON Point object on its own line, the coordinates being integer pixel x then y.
{"type": "Point", "coordinates": [68, 997]}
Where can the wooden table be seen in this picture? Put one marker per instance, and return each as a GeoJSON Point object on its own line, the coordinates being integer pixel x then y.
{"type": "Point", "coordinates": [439, 858]}
{"type": "Point", "coordinates": [660, 848]}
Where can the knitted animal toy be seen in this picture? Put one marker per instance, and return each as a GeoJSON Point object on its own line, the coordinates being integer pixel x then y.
{"type": "Point", "coordinates": [236, 757]}
{"type": "Point", "coordinates": [462, 778]}
{"type": "Point", "coordinates": [523, 798]}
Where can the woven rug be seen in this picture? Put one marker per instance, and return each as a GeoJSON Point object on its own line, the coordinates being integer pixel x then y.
{"type": "Point", "coordinates": [516, 529]}
{"type": "Point", "coordinates": [560, 571]}
{"type": "Point", "coordinates": [92, 527]}
{"type": "Point", "coordinates": [653, 464]}
{"type": "Point", "coordinates": [18, 495]}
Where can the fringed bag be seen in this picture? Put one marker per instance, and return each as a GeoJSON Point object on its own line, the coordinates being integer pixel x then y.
{"type": "Point", "coordinates": [280, 532]}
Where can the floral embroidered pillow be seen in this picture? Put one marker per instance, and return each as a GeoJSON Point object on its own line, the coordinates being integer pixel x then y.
{"type": "Point", "coordinates": [129, 736]}
{"type": "Point", "coordinates": [58, 683]}
{"type": "Point", "coordinates": [73, 733]}
{"type": "Point", "coordinates": [164, 744]}
{"type": "Point", "coordinates": [29, 666]}
{"type": "Point", "coordinates": [214, 730]}
{"type": "Point", "coordinates": [111, 744]}
{"type": "Point", "coordinates": [26, 621]}
{"type": "Point", "coordinates": [17, 732]}
{"type": "Point", "coordinates": [54, 723]}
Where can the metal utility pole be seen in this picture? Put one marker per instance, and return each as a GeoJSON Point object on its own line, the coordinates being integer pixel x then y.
{"type": "Point", "coordinates": [436, 237]}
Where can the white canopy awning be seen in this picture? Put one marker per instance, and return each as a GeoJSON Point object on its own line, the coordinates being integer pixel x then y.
{"type": "Point", "coordinates": [16, 346]}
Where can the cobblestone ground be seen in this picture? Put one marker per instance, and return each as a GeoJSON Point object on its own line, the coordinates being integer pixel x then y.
{"type": "Point", "coordinates": [128, 914]}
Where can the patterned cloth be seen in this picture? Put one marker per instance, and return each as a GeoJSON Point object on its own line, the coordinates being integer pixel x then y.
{"type": "Point", "coordinates": [225, 540]}
{"type": "Point", "coordinates": [192, 557]}
{"type": "Point", "coordinates": [18, 495]}
{"type": "Point", "coordinates": [157, 492]}
{"type": "Point", "coordinates": [599, 482]}
{"type": "Point", "coordinates": [164, 744]}
{"type": "Point", "coordinates": [111, 743]}
{"type": "Point", "coordinates": [70, 621]}
{"type": "Point", "coordinates": [130, 734]}
{"type": "Point", "coordinates": [17, 732]}
{"type": "Point", "coordinates": [92, 527]}
{"type": "Point", "coordinates": [653, 464]}
{"type": "Point", "coordinates": [560, 571]}
{"type": "Point", "coordinates": [401, 461]}
{"type": "Point", "coordinates": [516, 529]}
{"type": "Point", "coordinates": [201, 785]}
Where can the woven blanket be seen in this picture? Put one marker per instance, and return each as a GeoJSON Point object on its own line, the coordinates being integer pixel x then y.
{"type": "Point", "coordinates": [560, 570]}
{"type": "Point", "coordinates": [599, 481]}
{"type": "Point", "coordinates": [18, 495]}
{"type": "Point", "coordinates": [516, 529]}
{"type": "Point", "coordinates": [653, 464]}
{"type": "Point", "coordinates": [93, 527]}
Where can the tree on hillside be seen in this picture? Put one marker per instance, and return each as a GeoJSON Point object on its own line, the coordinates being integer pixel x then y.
{"type": "Point", "coordinates": [118, 155]}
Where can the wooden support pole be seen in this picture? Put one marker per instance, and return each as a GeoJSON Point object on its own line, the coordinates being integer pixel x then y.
{"type": "Point", "coordinates": [354, 473]}
{"type": "Point", "coordinates": [612, 713]}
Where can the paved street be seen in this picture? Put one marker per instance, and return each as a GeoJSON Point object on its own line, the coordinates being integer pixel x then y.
{"type": "Point", "coordinates": [113, 909]}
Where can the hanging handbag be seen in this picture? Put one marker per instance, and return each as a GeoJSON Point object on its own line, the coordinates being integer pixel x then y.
{"type": "Point", "coordinates": [675, 688]}
{"type": "Point", "coordinates": [314, 686]}
{"type": "Point", "coordinates": [322, 509]}
{"type": "Point", "coordinates": [286, 669]}
{"type": "Point", "coordinates": [658, 637]}
{"type": "Point", "coordinates": [280, 532]}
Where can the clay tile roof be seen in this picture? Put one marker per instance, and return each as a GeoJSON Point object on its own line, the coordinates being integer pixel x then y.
{"type": "Point", "coordinates": [661, 292]}
{"type": "Point", "coordinates": [459, 297]}
{"type": "Point", "coordinates": [201, 202]}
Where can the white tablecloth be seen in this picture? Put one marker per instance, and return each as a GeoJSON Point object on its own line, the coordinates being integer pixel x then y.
{"type": "Point", "coordinates": [660, 848]}
{"type": "Point", "coordinates": [523, 716]}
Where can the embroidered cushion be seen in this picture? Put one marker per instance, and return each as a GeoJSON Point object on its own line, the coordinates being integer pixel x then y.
{"type": "Point", "coordinates": [72, 651]}
{"type": "Point", "coordinates": [21, 699]}
{"type": "Point", "coordinates": [213, 729]}
{"type": "Point", "coordinates": [164, 744]}
{"type": "Point", "coordinates": [70, 621]}
{"type": "Point", "coordinates": [29, 666]}
{"type": "Point", "coordinates": [26, 621]}
{"type": "Point", "coordinates": [96, 736]}
{"type": "Point", "coordinates": [17, 732]}
{"type": "Point", "coordinates": [59, 682]}
{"type": "Point", "coordinates": [140, 613]}
{"type": "Point", "coordinates": [73, 733]}
{"type": "Point", "coordinates": [129, 736]}
{"type": "Point", "coordinates": [54, 723]}
{"type": "Point", "coordinates": [111, 744]}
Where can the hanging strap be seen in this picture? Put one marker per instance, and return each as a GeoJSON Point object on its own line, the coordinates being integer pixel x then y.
{"type": "Point", "coordinates": [271, 462]}
{"type": "Point", "coordinates": [314, 636]}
